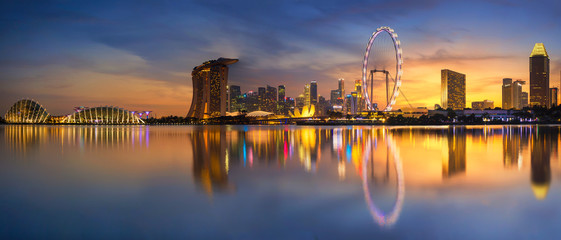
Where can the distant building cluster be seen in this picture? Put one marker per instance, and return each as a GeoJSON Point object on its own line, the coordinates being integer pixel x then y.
{"type": "Point", "coordinates": [213, 97]}
{"type": "Point", "coordinates": [453, 87]}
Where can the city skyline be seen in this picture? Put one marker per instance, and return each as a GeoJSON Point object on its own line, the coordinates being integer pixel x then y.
{"type": "Point", "coordinates": [71, 54]}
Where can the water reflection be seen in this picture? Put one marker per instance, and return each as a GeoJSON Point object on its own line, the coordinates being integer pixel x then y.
{"type": "Point", "coordinates": [379, 216]}
{"type": "Point", "coordinates": [542, 147]}
{"type": "Point", "coordinates": [368, 157]}
{"type": "Point", "coordinates": [455, 162]}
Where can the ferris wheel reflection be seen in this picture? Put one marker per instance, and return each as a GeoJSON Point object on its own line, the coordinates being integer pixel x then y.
{"type": "Point", "coordinates": [381, 218]}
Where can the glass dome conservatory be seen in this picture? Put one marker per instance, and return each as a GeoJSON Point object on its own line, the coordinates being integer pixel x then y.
{"type": "Point", "coordinates": [103, 115]}
{"type": "Point", "coordinates": [27, 111]}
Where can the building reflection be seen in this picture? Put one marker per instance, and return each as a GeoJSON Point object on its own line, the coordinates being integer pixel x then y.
{"type": "Point", "coordinates": [542, 145]}
{"type": "Point", "coordinates": [211, 159]}
{"type": "Point", "coordinates": [220, 151]}
{"type": "Point", "coordinates": [27, 139]}
{"type": "Point", "coordinates": [454, 162]}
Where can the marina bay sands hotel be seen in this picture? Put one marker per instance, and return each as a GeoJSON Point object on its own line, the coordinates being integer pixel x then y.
{"type": "Point", "coordinates": [210, 80]}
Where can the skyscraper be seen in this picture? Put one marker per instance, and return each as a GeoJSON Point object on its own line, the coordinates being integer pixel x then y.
{"type": "Point", "coordinates": [453, 89]}
{"type": "Point", "coordinates": [307, 99]}
{"type": "Point", "coordinates": [282, 105]}
{"type": "Point", "coordinates": [512, 93]}
{"type": "Point", "coordinates": [261, 91]}
{"type": "Point", "coordinates": [314, 93]}
{"type": "Point", "coordinates": [359, 100]}
{"type": "Point", "coordinates": [271, 99]}
{"type": "Point", "coordinates": [507, 93]}
{"type": "Point", "coordinates": [342, 87]}
{"type": "Point", "coordinates": [517, 94]}
{"type": "Point", "coordinates": [539, 76]}
{"type": "Point", "coordinates": [282, 93]}
{"type": "Point", "coordinates": [235, 95]}
{"type": "Point", "coordinates": [209, 88]}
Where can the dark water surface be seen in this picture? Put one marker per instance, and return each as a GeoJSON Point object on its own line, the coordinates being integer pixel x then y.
{"type": "Point", "coordinates": [280, 182]}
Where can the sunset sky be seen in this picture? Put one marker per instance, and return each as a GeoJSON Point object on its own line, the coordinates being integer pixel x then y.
{"type": "Point", "coordinates": [139, 54]}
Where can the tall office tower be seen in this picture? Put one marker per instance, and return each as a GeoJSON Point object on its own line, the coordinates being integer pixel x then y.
{"type": "Point", "coordinates": [553, 96]}
{"type": "Point", "coordinates": [307, 96]}
{"type": "Point", "coordinates": [342, 87]}
{"type": "Point", "coordinates": [271, 99]}
{"type": "Point", "coordinates": [282, 93]}
{"type": "Point", "coordinates": [524, 100]}
{"type": "Point", "coordinates": [539, 76]}
{"type": "Point", "coordinates": [512, 93]}
{"type": "Point", "coordinates": [507, 93]}
{"type": "Point", "coordinates": [235, 95]}
{"type": "Point", "coordinates": [282, 106]}
{"type": "Point", "coordinates": [314, 93]}
{"type": "Point", "coordinates": [261, 91]}
{"type": "Point", "coordinates": [453, 90]}
{"type": "Point", "coordinates": [209, 88]}
{"type": "Point", "coordinates": [359, 101]}
{"type": "Point", "coordinates": [517, 94]}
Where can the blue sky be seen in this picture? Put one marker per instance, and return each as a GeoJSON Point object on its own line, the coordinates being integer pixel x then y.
{"type": "Point", "coordinates": [139, 54]}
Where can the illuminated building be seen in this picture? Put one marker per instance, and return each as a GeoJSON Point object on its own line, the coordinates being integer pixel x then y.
{"type": "Point", "coordinates": [553, 96]}
{"type": "Point", "coordinates": [235, 95]}
{"type": "Point", "coordinates": [282, 105]}
{"type": "Point", "coordinates": [517, 94]}
{"type": "Point", "coordinates": [251, 101]}
{"type": "Point", "coordinates": [512, 93]}
{"type": "Point", "coordinates": [507, 93]}
{"type": "Point", "coordinates": [539, 76]}
{"type": "Point", "coordinates": [307, 96]}
{"type": "Point", "coordinates": [455, 163]}
{"type": "Point", "coordinates": [524, 100]}
{"type": "Point", "coordinates": [342, 87]}
{"type": "Point", "coordinates": [104, 115]}
{"type": "Point", "coordinates": [270, 100]}
{"type": "Point", "coordinates": [358, 93]}
{"type": "Point", "coordinates": [483, 105]}
{"type": "Point", "coordinates": [351, 103]}
{"type": "Point", "coordinates": [209, 88]}
{"type": "Point", "coordinates": [282, 93]}
{"type": "Point", "coordinates": [314, 93]}
{"type": "Point", "coordinates": [336, 100]}
{"type": "Point", "coordinates": [261, 92]}
{"type": "Point", "coordinates": [27, 111]}
{"type": "Point", "coordinates": [453, 90]}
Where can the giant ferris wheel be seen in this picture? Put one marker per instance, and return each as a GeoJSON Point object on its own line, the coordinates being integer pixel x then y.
{"type": "Point", "coordinates": [381, 70]}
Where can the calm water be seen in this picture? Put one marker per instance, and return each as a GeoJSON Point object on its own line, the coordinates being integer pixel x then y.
{"type": "Point", "coordinates": [280, 182]}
